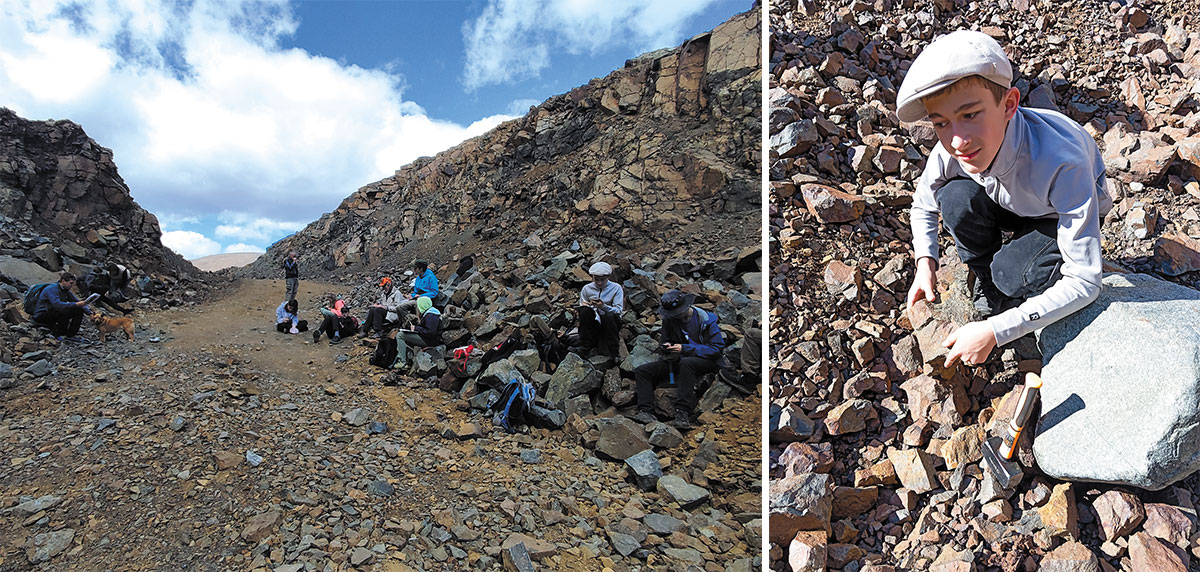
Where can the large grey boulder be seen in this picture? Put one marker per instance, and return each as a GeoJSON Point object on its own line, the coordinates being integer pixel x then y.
{"type": "Point", "coordinates": [25, 272]}
{"type": "Point", "coordinates": [574, 376]}
{"type": "Point", "coordinates": [1121, 391]}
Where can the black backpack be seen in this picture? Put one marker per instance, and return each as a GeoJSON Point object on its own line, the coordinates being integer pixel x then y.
{"type": "Point", "coordinates": [29, 303]}
{"type": "Point", "coordinates": [551, 351]}
{"type": "Point", "coordinates": [502, 350]}
{"type": "Point", "coordinates": [386, 354]}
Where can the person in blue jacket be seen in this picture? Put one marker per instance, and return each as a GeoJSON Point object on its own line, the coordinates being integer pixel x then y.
{"type": "Point", "coordinates": [59, 309]}
{"type": "Point", "coordinates": [692, 346]}
{"type": "Point", "coordinates": [287, 318]}
{"type": "Point", "coordinates": [425, 284]}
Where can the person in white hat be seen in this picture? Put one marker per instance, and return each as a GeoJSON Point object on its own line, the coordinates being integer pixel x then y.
{"type": "Point", "coordinates": [1001, 167]}
{"type": "Point", "coordinates": [601, 302]}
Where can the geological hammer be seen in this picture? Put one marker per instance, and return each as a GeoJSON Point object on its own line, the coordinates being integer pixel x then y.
{"type": "Point", "coordinates": [998, 452]}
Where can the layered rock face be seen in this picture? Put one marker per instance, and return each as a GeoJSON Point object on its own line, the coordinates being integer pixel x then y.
{"type": "Point", "coordinates": [63, 206]}
{"type": "Point", "coordinates": [631, 158]}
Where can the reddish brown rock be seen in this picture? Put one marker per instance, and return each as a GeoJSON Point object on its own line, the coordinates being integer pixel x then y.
{"type": "Point", "coordinates": [841, 278]}
{"type": "Point", "coordinates": [850, 417]}
{"type": "Point", "coordinates": [881, 473]}
{"type": "Point", "coordinates": [1119, 512]}
{"type": "Point", "coordinates": [227, 460]}
{"type": "Point", "coordinates": [807, 552]}
{"type": "Point", "coordinates": [261, 526]}
{"type": "Point", "coordinates": [1150, 553]}
{"type": "Point", "coordinates": [1168, 523]}
{"type": "Point", "coordinates": [1071, 556]}
{"type": "Point", "coordinates": [849, 502]}
{"type": "Point", "coordinates": [914, 468]}
{"type": "Point", "coordinates": [963, 446]}
{"type": "Point", "coordinates": [830, 205]}
{"type": "Point", "coordinates": [1176, 254]}
{"type": "Point", "coordinates": [942, 402]}
{"type": "Point", "coordinates": [807, 458]}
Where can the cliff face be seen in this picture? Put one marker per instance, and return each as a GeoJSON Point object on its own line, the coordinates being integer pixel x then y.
{"type": "Point", "coordinates": [63, 206]}
{"type": "Point", "coordinates": [665, 147]}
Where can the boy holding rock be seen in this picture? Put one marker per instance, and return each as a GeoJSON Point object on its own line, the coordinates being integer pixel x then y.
{"type": "Point", "coordinates": [998, 168]}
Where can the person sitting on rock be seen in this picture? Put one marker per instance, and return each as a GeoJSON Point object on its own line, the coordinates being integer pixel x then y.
{"type": "Point", "coordinates": [98, 282]}
{"type": "Point", "coordinates": [384, 314]}
{"type": "Point", "coordinates": [1001, 167]}
{"type": "Point", "coordinates": [287, 318]}
{"type": "Point", "coordinates": [600, 304]}
{"type": "Point", "coordinates": [119, 278]}
{"type": "Point", "coordinates": [291, 274]}
{"type": "Point", "coordinates": [338, 324]}
{"type": "Point", "coordinates": [693, 343]}
{"type": "Point", "coordinates": [424, 284]}
{"type": "Point", "coordinates": [427, 333]}
{"type": "Point", "coordinates": [58, 309]}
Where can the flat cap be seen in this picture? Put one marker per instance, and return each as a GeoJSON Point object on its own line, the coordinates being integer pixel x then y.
{"type": "Point", "coordinates": [946, 60]}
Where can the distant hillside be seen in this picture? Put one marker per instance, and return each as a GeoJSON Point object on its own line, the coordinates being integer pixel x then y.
{"type": "Point", "coordinates": [228, 260]}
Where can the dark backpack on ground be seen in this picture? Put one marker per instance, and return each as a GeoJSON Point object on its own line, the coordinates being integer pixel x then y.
{"type": "Point", "coordinates": [512, 409]}
{"type": "Point", "coordinates": [502, 350]}
{"type": "Point", "coordinates": [29, 303]}
{"type": "Point", "coordinates": [386, 354]}
{"type": "Point", "coordinates": [551, 351]}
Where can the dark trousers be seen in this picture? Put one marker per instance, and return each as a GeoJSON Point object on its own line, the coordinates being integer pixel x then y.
{"type": "Point", "coordinates": [687, 371]}
{"type": "Point", "coordinates": [104, 299]}
{"type": "Point", "coordinates": [377, 320]}
{"type": "Point", "coordinates": [1022, 267]}
{"type": "Point", "coordinates": [603, 335]}
{"type": "Point", "coordinates": [334, 326]}
{"type": "Point", "coordinates": [62, 322]}
{"type": "Point", "coordinates": [286, 326]}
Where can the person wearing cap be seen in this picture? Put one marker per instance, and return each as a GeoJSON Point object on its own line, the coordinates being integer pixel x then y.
{"type": "Point", "coordinates": [425, 283]}
{"type": "Point", "coordinates": [999, 167]}
{"type": "Point", "coordinates": [382, 315]}
{"type": "Point", "coordinates": [692, 344]}
{"type": "Point", "coordinates": [601, 302]}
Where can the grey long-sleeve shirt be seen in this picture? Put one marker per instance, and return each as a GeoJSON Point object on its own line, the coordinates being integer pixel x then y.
{"type": "Point", "coordinates": [1047, 167]}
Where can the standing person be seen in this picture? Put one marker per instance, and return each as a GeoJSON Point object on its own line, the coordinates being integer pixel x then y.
{"type": "Point", "coordinates": [424, 284]}
{"type": "Point", "coordinates": [1001, 167]}
{"type": "Point", "coordinates": [383, 315]}
{"type": "Point", "coordinates": [428, 331]}
{"type": "Point", "coordinates": [692, 345]}
{"type": "Point", "coordinates": [601, 302]}
{"type": "Point", "coordinates": [291, 275]}
{"type": "Point", "coordinates": [59, 309]}
{"type": "Point", "coordinates": [287, 318]}
{"type": "Point", "coordinates": [99, 282]}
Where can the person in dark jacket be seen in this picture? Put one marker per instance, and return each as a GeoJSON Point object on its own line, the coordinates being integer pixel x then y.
{"type": "Point", "coordinates": [59, 309]}
{"type": "Point", "coordinates": [99, 281]}
{"type": "Point", "coordinates": [291, 275]}
{"type": "Point", "coordinates": [692, 344]}
{"type": "Point", "coordinates": [428, 331]}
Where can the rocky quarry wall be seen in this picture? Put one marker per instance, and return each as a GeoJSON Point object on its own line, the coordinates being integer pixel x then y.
{"type": "Point", "coordinates": [667, 146]}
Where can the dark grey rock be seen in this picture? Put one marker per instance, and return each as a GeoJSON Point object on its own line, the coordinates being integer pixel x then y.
{"type": "Point", "coordinates": [526, 361]}
{"type": "Point", "coordinates": [624, 544]}
{"type": "Point", "coordinates": [377, 427]}
{"type": "Point", "coordinates": [531, 456]}
{"type": "Point", "coordinates": [574, 376]}
{"type": "Point", "coordinates": [622, 439]}
{"type": "Point", "coordinates": [789, 424]}
{"type": "Point", "coordinates": [177, 423]}
{"type": "Point", "coordinates": [516, 558]}
{"type": "Point", "coordinates": [800, 502]}
{"type": "Point", "coordinates": [645, 469]}
{"type": "Point", "coordinates": [663, 524]}
{"type": "Point", "coordinates": [39, 368]}
{"type": "Point", "coordinates": [681, 491]}
{"type": "Point", "coordinates": [664, 436]}
{"type": "Point", "coordinates": [43, 547]}
{"type": "Point", "coordinates": [381, 488]}
{"type": "Point", "coordinates": [356, 417]}
{"type": "Point", "coordinates": [37, 505]}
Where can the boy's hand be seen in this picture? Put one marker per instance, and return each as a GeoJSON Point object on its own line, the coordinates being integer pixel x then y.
{"type": "Point", "coordinates": [923, 282]}
{"type": "Point", "coordinates": [971, 343]}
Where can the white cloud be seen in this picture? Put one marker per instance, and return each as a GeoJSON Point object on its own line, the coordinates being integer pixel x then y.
{"type": "Point", "coordinates": [519, 107]}
{"type": "Point", "coordinates": [241, 247]}
{"type": "Point", "coordinates": [190, 245]}
{"type": "Point", "coordinates": [205, 113]}
{"type": "Point", "coordinates": [513, 39]}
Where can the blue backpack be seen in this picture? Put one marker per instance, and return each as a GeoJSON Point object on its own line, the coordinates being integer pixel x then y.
{"type": "Point", "coordinates": [512, 408]}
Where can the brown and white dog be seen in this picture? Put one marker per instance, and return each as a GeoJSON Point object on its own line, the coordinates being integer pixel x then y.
{"type": "Point", "coordinates": [106, 324]}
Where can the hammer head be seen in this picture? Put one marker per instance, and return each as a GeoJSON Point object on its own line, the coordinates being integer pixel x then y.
{"type": "Point", "coordinates": [1007, 473]}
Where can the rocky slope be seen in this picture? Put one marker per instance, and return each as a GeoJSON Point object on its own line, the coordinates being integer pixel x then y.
{"type": "Point", "coordinates": [875, 444]}
{"type": "Point", "coordinates": [662, 150]}
{"type": "Point", "coordinates": [63, 205]}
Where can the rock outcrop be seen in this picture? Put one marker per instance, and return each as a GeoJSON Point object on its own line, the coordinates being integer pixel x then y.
{"type": "Point", "coordinates": [662, 150]}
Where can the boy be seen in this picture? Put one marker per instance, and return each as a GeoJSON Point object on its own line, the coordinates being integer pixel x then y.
{"type": "Point", "coordinates": [998, 166]}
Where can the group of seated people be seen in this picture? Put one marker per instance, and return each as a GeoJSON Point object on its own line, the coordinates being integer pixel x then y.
{"type": "Point", "coordinates": [691, 342]}
{"type": "Point", "coordinates": [60, 310]}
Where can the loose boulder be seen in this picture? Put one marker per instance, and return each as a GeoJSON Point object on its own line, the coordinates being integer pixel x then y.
{"type": "Point", "coordinates": [1117, 373]}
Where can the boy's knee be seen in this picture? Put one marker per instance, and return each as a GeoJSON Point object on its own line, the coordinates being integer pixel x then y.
{"type": "Point", "coordinates": [959, 197]}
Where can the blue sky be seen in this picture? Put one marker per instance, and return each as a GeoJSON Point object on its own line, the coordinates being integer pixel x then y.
{"type": "Point", "coordinates": [237, 122]}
